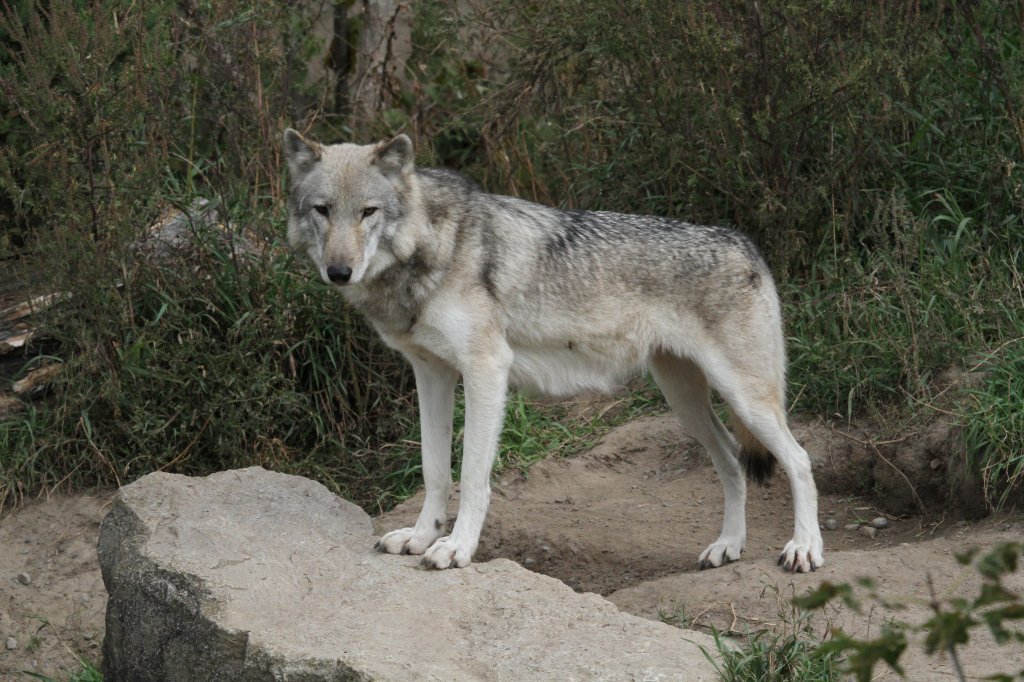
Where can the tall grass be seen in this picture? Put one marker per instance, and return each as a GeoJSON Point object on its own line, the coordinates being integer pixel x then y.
{"type": "Point", "coordinates": [873, 329]}
{"type": "Point", "coordinates": [208, 363]}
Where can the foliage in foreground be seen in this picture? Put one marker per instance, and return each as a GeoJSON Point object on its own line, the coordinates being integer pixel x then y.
{"type": "Point", "coordinates": [953, 620]}
{"type": "Point", "coordinates": [795, 653]}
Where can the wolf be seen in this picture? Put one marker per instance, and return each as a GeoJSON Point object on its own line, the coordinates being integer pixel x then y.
{"type": "Point", "coordinates": [500, 291]}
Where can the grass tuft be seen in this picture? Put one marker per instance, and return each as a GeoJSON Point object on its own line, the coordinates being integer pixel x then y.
{"type": "Point", "coordinates": [993, 412]}
{"type": "Point", "coordinates": [773, 657]}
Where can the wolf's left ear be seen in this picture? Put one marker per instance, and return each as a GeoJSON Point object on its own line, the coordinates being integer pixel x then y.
{"type": "Point", "coordinates": [395, 158]}
{"type": "Point", "coordinates": [302, 154]}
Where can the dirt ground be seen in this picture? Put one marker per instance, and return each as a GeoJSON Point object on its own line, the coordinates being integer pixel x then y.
{"type": "Point", "coordinates": [626, 520]}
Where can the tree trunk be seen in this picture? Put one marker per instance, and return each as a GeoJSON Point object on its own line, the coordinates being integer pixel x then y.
{"type": "Point", "coordinates": [384, 46]}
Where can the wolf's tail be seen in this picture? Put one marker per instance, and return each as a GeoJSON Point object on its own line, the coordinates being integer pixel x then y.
{"type": "Point", "coordinates": [755, 458]}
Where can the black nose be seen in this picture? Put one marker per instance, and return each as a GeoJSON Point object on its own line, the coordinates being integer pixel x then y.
{"type": "Point", "coordinates": [339, 274]}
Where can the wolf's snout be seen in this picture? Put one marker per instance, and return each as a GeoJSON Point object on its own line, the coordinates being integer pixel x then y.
{"type": "Point", "coordinates": [339, 274]}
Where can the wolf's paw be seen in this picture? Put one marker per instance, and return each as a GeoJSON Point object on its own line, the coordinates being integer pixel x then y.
{"type": "Point", "coordinates": [802, 557]}
{"type": "Point", "coordinates": [722, 551]}
{"type": "Point", "coordinates": [447, 553]}
{"type": "Point", "coordinates": [405, 541]}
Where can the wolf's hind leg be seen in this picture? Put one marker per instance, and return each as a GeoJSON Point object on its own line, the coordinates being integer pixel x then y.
{"type": "Point", "coordinates": [757, 402]}
{"type": "Point", "coordinates": [435, 391]}
{"type": "Point", "coordinates": [687, 392]}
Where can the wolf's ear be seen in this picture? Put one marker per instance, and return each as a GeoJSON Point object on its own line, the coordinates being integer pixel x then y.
{"type": "Point", "coordinates": [395, 158]}
{"type": "Point", "coordinates": [301, 153]}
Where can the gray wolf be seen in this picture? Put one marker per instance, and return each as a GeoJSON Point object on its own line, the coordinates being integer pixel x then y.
{"type": "Point", "coordinates": [502, 291]}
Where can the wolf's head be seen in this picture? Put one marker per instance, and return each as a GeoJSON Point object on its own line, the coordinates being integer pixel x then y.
{"type": "Point", "coordinates": [346, 203]}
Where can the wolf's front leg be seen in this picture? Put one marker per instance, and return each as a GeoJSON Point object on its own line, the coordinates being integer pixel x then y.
{"type": "Point", "coordinates": [435, 391]}
{"type": "Point", "coordinates": [485, 380]}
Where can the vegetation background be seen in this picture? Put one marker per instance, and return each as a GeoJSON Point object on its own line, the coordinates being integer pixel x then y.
{"type": "Point", "coordinates": [873, 150]}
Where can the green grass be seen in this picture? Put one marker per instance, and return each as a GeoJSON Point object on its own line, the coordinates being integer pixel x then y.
{"type": "Point", "coordinates": [534, 431]}
{"type": "Point", "coordinates": [773, 657]}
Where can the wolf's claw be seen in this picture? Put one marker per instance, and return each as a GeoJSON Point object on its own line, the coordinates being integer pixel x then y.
{"type": "Point", "coordinates": [801, 558]}
{"type": "Point", "coordinates": [720, 552]}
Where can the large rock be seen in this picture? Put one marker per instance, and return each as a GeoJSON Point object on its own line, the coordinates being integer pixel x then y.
{"type": "Point", "coordinates": [253, 575]}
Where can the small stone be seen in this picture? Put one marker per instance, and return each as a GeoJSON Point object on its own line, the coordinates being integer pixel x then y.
{"type": "Point", "coordinates": [935, 463]}
{"type": "Point", "coordinates": [83, 598]}
{"type": "Point", "coordinates": [529, 561]}
{"type": "Point", "coordinates": [12, 643]}
{"type": "Point", "coordinates": [546, 549]}
{"type": "Point", "coordinates": [868, 531]}
{"type": "Point", "coordinates": [24, 578]}
{"type": "Point", "coordinates": [852, 526]}
{"type": "Point", "coordinates": [880, 522]}
{"type": "Point", "coordinates": [831, 524]}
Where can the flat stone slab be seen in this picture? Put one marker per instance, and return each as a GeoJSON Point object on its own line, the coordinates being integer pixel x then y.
{"type": "Point", "coordinates": [254, 575]}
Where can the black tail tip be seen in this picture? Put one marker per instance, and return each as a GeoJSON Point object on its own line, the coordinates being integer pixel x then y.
{"type": "Point", "coordinates": [758, 464]}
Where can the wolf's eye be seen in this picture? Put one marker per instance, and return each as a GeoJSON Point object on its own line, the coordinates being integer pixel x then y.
{"type": "Point", "coordinates": [369, 211]}
{"type": "Point", "coordinates": [322, 209]}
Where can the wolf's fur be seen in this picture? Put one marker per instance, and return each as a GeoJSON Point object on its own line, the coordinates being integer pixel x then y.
{"type": "Point", "coordinates": [501, 290]}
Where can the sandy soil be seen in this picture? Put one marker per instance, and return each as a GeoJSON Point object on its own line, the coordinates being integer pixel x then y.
{"type": "Point", "coordinates": [57, 618]}
{"type": "Point", "coordinates": [626, 520]}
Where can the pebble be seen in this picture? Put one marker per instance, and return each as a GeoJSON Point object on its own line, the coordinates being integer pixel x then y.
{"type": "Point", "coordinates": [12, 643]}
{"type": "Point", "coordinates": [529, 561]}
{"type": "Point", "coordinates": [852, 526]}
{"type": "Point", "coordinates": [868, 531]}
{"type": "Point", "coordinates": [831, 524]}
{"type": "Point", "coordinates": [24, 578]}
{"type": "Point", "coordinates": [880, 522]}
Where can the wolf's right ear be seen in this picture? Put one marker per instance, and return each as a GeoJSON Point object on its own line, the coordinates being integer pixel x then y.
{"type": "Point", "coordinates": [302, 154]}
